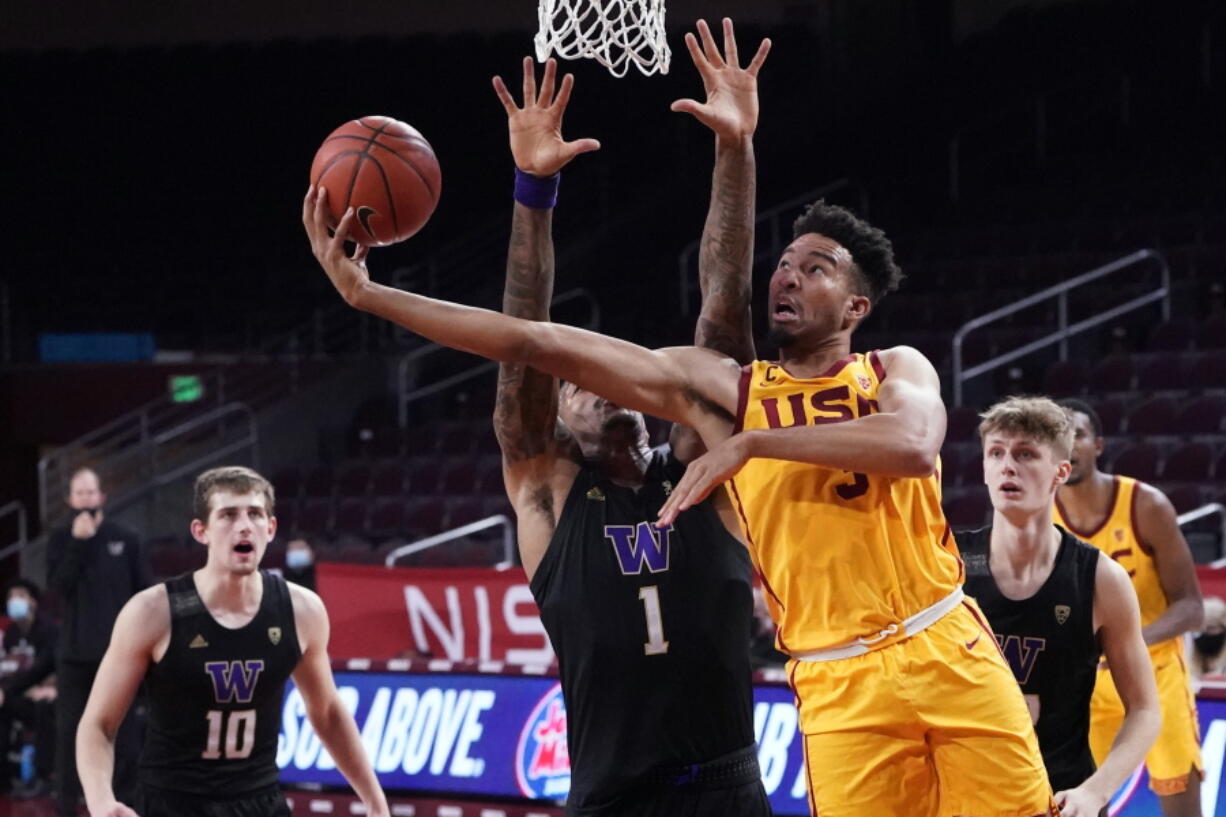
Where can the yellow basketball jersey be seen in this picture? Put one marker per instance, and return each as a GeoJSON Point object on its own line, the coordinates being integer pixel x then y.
{"type": "Point", "coordinates": [1117, 537]}
{"type": "Point", "coordinates": [842, 555]}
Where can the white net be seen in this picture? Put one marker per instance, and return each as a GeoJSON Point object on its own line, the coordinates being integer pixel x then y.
{"type": "Point", "coordinates": [615, 33]}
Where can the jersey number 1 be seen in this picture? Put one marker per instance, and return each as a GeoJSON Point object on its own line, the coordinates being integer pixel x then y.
{"type": "Point", "coordinates": [656, 645]}
{"type": "Point", "coordinates": [240, 734]}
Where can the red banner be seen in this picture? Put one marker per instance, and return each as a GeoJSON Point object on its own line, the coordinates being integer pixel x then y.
{"type": "Point", "coordinates": [1212, 581]}
{"type": "Point", "coordinates": [454, 614]}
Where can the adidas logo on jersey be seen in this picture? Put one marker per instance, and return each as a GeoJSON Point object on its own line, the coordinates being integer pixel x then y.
{"type": "Point", "coordinates": [596, 493]}
{"type": "Point", "coordinates": [198, 642]}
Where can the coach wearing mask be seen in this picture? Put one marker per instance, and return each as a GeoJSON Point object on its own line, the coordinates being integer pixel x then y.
{"type": "Point", "coordinates": [95, 565]}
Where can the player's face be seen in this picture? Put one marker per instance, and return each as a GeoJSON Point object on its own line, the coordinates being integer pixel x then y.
{"type": "Point", "coordinates": [590, 416]}
{"type": "Point", "coordinates": [1087, 446]}
{"type": "Point", "coordinates": [238, 530]}
{"type": "Point", "coordinates": [812, 292]}
{"type": "Point", "coordinates": [1022, 474]}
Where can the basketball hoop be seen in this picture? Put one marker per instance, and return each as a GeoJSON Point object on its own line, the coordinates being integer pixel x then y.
{"type": "Point", "coordinates": [615, 33]}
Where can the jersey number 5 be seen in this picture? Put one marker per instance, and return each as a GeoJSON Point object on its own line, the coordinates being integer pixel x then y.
{"type": "Point", "coordinates": [240, 734]}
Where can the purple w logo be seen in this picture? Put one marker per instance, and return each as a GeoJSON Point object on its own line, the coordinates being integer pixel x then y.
{"type": "Point", "coordinates": [639, 545]}
{"type": "Point", "coordinates": [1022, 654]}
{"type": "Point", "coordinates": [234, 680]}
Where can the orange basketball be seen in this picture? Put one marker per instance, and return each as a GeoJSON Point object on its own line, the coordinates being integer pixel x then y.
{"type": "Point", "coordinates": [386, 171]}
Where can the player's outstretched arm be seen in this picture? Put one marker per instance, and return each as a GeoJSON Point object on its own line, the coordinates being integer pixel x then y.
{"type": "Point", "coordinates": [526, 404]}
{"type": "Point", "coordinates": [1158, 528]}
{"type": "Point", "coordinates": [725, 258]}
{"type": "Point", "coordinates": [142, 623]}
{"type": "Point", "coordinates": [697, 387]}
{"type": "Point", "coordinates": [328, 715]}
{"type": "Point", "coordinates": [903, 439]}
{"type": "Point", "coordinates": [1118, 622]}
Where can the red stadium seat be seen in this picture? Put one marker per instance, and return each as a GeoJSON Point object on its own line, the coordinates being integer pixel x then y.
{"type": "Point", "coordinates": [425, 475]}
{"type": "Point", "coordinates": [315, 516]}
{"type": "Point", "coordinates": [1111, 413]}
{"type": "Point", "coordinates": [1155, 416]}
{"type": "Point", "coordinates": [1168, 372]}
{"type": "Point", "coordinates": [386, 518]}
{"type": "Point", "coordinates": [1139, 461]}
{"type": "Point", "coordinates": [351, 516]}
{"type": "Point", "coordinates": [1183, 496]}
{"type": "Point", "coordinates": [1066, 378]}
{"type": "Point", "coordinates": [320, 482]}
{"type": "Point", "coordinates": [1116, 373]}
{"type": "Point", "coordinates": [460, 477]}
{"type": "Point", "coordinates": [961, 425]}
{"type": "Point", "coordinates": [388, 479]}
{"type": "Point", "coordinates": [1191, 463]}
{"type": "Point", "coordinates": [457, 439]}
{"type": "Point", "coordinates": [1174, 335]}
{"type": "Point", "coordinates": [1202, 416]}
{"type": "Point", "coordinates": [353, 479]}
{"type": "Point", "coordinates": [1210, 370]}
{"type": "Point", "coordinates": [425, 518]}
{"type": "Point", "coordinates": [1212, 334]}
{"type": "Point", "coordinates": [287, 483]}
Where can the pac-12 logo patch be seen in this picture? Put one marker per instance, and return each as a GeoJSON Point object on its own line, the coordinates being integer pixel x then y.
{"type": "Point", "coordinates": [542, 762]}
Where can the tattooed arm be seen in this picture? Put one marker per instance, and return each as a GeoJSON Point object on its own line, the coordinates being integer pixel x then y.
{"type": "Point", "coordinates": [725, 259]}
{"type": "Point", "coordinates": [536, 467]}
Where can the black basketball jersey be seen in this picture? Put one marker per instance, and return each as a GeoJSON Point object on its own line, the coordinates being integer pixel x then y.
{"type": "Point", "coordinates": [651, 628]}
{"type": "Point", "coordinates": [215, 697]}
{"type": "Point", "coordinates": [1050, 643]}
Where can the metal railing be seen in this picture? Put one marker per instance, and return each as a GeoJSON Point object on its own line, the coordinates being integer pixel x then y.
{"type": "Point", "coordinates": [775, 221]}
{"type": "Point", "coordinates": [409, 363]}
{"type": "Point", "coordinates": [1065, 330]}
{"type": "Point", "coordinates": [1208, 509]}
{"type": "Point", "coordinates": [499, 520]}
{"type": "Point", "coordinates": [147, 462]}
{"type": "Point", "coordinates": [17, 509]}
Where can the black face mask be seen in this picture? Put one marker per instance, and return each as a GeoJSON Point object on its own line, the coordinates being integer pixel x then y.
{"type": "Point", "coordinates": [1209, 644]}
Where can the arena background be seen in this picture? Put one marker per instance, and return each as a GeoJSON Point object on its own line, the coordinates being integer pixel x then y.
{"type": "Point", "coordinates": [160, 310]}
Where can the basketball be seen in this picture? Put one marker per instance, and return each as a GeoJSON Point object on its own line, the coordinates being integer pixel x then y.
{"type": "Point", "coordinates": [386, 171]}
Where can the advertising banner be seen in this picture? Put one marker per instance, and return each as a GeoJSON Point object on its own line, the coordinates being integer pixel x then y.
{"type": "Point", "coordinates": [505, 736]}
{"type": "Point", "coordinates": [455, 614]}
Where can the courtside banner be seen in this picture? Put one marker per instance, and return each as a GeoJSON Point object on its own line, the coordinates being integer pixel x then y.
{"type": "Point", "coordinates": [454, 614]}
{"type": "Point", "coordinates": [495, 735]}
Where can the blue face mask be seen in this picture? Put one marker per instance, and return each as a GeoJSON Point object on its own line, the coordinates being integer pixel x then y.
{"type": "Point", "coordinates": [297, 559]}
{"type": "Point", "coordinates": [18, 608]}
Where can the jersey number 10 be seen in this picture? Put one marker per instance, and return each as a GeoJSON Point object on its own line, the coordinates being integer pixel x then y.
{"type": "Point", "coordinates": [240, 734]}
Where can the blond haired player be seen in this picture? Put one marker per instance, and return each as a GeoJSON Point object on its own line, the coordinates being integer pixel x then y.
{"type": "Point", "coordinates": [907, 706]}
{"type": "Point", "coordinates": [1056, 606]}
{"type": "Point", "coordinates": [1135, 525]}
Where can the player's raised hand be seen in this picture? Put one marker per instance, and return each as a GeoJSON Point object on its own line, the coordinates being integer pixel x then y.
{"type": "Point", "coordinates": [347, 272]}
{"type": "Point", "coordinates": [536, 129]}
{"type": "Point", "coordinates": [731, 109]}
{"type": "Point", "coordinates": [704, 475]}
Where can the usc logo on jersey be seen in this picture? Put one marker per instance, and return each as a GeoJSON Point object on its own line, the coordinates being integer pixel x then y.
{"type": "Point", "coordinates": [835, 404]}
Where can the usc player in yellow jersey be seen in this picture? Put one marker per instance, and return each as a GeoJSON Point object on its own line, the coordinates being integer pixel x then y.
{"type": "Point", "coordinates": [1135, 525]}
{"type": "Point", "coordinates": [907, 706]}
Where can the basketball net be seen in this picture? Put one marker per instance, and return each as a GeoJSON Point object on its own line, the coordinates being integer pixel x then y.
{"type": "Point", "coordinates": [615, 33]}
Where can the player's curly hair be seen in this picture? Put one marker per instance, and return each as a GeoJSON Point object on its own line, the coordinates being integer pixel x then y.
{"type": "Point", "coordinates": [872, 253]}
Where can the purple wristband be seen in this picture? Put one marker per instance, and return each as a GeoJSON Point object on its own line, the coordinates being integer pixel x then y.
{"type": "Point", "coordinates": [536, 192]}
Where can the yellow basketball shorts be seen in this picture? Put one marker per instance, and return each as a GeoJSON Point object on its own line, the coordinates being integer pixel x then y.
{"type": "Point", "coordinates": [1176, 752]}
{"type": "Point", "coordinates": [931, 726]}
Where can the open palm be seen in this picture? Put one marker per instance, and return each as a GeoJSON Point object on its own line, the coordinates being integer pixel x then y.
{"type": "Point", "coordinates": [731, 108]}
{"type": "Point", "coordinates": [536, 129]}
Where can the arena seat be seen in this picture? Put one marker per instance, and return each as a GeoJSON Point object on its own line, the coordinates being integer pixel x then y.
{"type": "Point", "coordinates": [1190, 463]}
{"type": "Point", "coordinates": [1139, 461]}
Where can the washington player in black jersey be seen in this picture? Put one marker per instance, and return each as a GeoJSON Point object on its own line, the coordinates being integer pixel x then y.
{"type": "Point", "coordinates": [215, 648]}
{"type": "Point", "coordinates": [651, 626]}
{"type": "Point", "coordinates": [1055, 606]}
